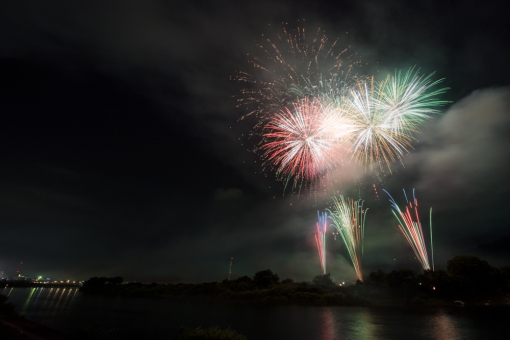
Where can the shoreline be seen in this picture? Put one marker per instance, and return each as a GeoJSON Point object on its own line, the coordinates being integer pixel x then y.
{"type": "Point", "coordinates": [17, 327]}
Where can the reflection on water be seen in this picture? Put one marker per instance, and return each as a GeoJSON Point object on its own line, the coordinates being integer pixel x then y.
{"type": "Point", "coordinates": [444, 327]}
{"type": "Point", "coordinates": [328, 324]}
{"type": "Point", "coordinates": [337, 322]}
{"type": "Point", "coordinates": [53, 300]}
{"type": "Point", "coordinates": [365, 328]}
{"type": "Point", "coordinates": [67, 309]}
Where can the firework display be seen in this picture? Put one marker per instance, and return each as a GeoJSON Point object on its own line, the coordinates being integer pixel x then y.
{"type": "Point", "coordinates": [311, 105]}
{"type": "Point", "coordinates": [314, 111]}
{"type": "Point", "coordinates": [410, 225]}
{"type": "Point", "coordinates": [348, 218]}
{"type": "Point", "coordinates": [320, 238]}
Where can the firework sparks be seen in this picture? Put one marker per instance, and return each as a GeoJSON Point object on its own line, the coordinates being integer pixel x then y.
{"type": "Point", "coordinates": [410, 225]}
{"type": "Point", "coordinates": [348, 218]}
{"type": "Point", "coordinates": [320, 238]}
{"type": "Point", "coordinates": [310, 104]}
{"type": "Point", "coordinates": [303, 142]}
{"type": "Point", "coordinates": [291, 66]}
{"type": "Point", "coordinates": [375, 191]}
{"type": "Point", "coordinates": [384, 116]}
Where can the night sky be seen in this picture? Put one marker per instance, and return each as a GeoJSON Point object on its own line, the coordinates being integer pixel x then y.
{"type": "Point", "coordinates": [122, 152]}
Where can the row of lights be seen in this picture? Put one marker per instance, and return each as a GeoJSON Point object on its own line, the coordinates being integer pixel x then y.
{"type": "Point", "coordinates": [40, 280]}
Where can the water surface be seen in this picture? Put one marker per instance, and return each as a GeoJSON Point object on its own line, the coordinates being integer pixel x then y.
{"type": "Point", "coordinates": [70, 311]}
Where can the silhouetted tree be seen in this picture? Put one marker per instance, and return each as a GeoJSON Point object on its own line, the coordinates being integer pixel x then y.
{"type": "Point", "coordinates": [398, 278]}
{"type": "Point", "coordinates": [323, 280]}
{"type": "Point", "coordinates": [436, 282]}
{"type": "Point", "coordinates": [505, 271]}
{"type": "Point", "coordinates": [94, 282]}
{"type": "Point", "coordinates": [244, 279]}
{"type": "Point", "coordinates": [265, 278]}
{"type": "Point", "coordinates": [99, 282]}
{"type": "Point", "coordinates": [402, 282]}
{"type": "Point", "coordinates": [287, 281]}
{"type": "Point", "coordinates": [117, 280]}
{"type": "Point", "coordinates": [468, 266]}
{"type": "Point", "coordinates": [472, 276]}
{"type": "Point", "coordinates": [505, 274]}
{"type": "Point", "coordinates": [377, 279]}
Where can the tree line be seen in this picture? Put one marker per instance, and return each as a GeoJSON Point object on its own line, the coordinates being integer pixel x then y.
{"type": "Point", "coordinates": [466, 278]}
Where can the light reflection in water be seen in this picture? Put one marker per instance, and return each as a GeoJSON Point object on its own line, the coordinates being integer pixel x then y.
{"type": "Point", "coordinates": [64, 303]}
{"type": "Point", "coordinates": [364, 327]}
{"type": "Point", "coordinates": [444, 327]}
{"type": "Point", "coordinates": [360, 324]}
{"type": "Point", "coordinates": [67, 296]}
{"type": "Point", "coordinates": [74, 294]}
{"type": "Point", "coordinates": [48, 297]}
{"type": "Point", "coordinates": [328, 324]}
{"type": "Point", "coordinates": [54, 300]}
{"type": "Point", "coordinates": [27, 301]}
{"type": "Point", "coordinates": [60, 298]}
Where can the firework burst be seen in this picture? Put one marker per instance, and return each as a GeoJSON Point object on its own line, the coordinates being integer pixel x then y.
{"type": "Point", "coordinates": [303, 142]}
{"type": "Point", "coordinates": [386, 115]}
{"type": "Point", "coordinates": [348, 218]}
{"type": "Point", "coordinates": [311, 104]}
{"type": "Point", "coordinates": [292, 65]}
{"type": "Point", "coordinates": [410, 225]}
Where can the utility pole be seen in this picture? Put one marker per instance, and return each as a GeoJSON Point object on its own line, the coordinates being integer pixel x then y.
{"type": "Point", "coordinates": [230, 268]}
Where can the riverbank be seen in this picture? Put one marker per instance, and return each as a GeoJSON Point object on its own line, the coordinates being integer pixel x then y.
{"type": "Point", "coordinates": [17, 327]}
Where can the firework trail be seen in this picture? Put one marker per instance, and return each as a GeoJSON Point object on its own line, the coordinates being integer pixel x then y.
{"type": "Point", "coordinates": [385, 115]}
{"type": "Point", "coordinates": [303, 142]}
{"type": "Point", "coordinates": [348, 218]}
{"type": "Point", "coordinates": [320, 238]}
{"type": "Point", "coordinates": [375, 191]}
{"type": "Point", "coordinates": [410, 225]}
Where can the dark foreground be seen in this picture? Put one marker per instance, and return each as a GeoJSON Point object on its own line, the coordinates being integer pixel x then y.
{"type": "Point", "coordinates": [16, 327]}
{"type": "Point", "coordinates": [115, 317]}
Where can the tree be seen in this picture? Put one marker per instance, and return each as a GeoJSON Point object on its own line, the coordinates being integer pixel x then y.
{"type": "Point", "coordinates": [323, 280]}
{"type": "Point", "coordinates": [117, 280]}
{"type": "Point", "coordinates": [468, 266]}
{"type": "Point", "coordinates": [399, 278]}
{"type": "Point", "coordinates": [265, 278]}
{"type": "Point", "coordinates": [505, 273]}
{"type": "Point", "coordinates": [471, 276]}
{"type": "Point", "coordinates": [244, 279]}
{"type": "Point", "coordinates": [437, 282]}
{"type": "Point", "coordinates": [94, 282]}
{"type": "Point", "coordinates": [402, 283]}
{"type": "Point", "coordinates": [377, 279]}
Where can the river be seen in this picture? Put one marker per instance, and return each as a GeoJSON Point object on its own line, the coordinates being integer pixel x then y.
{"type": "Point", "coordinates": [68, 310]}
